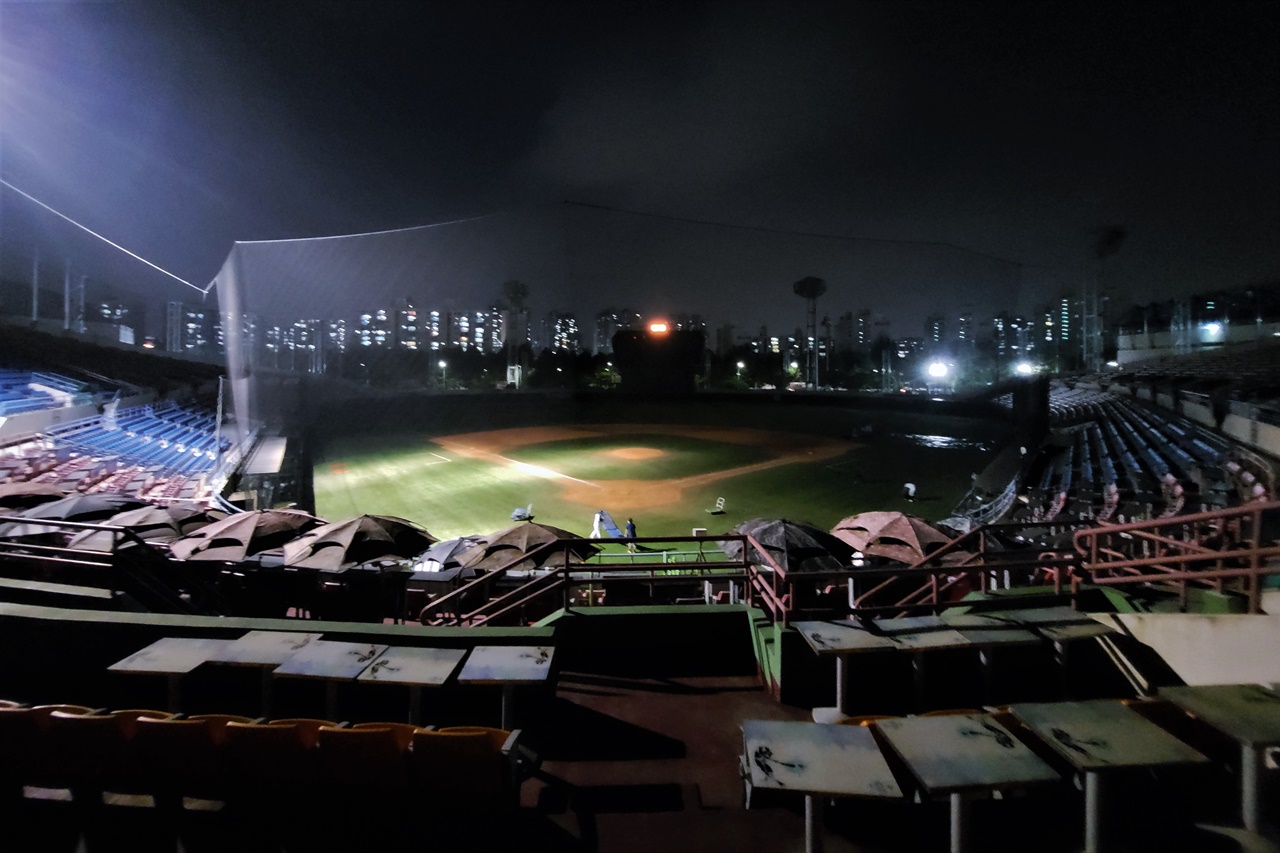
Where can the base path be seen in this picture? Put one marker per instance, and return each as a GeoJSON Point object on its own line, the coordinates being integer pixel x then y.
{"type": "Point", "coordinates": [786, 448]}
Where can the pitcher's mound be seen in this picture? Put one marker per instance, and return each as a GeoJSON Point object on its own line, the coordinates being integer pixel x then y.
{"type": "Point", "coordinates": [634, 453]}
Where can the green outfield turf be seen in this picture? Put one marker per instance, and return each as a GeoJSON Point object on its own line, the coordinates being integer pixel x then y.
{"type": "Point", "coordinates": [451, 495]}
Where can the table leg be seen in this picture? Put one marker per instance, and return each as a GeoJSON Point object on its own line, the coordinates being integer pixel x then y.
{"type": "Point", "coordinates": [1092, 783]}
{"type": "Point", "coordinates": [331, 700]}
{"type": "Point", "coordinates": [175, 693]}
{"type": "Point", "coordinates": [267, 681]}
{"type": "Point", "coordinates": [959, 817]}
{"type": "Point", "coordinates": [984, 659]}
{"type": "Point", "coordinates": [1250, 758]}
{"type": "Point", "coordinates": [415, 704]}
{"type": "Point", "coordinates": [842, 684]}
{"type": "Point", "coordinates": [508, 705]}
{"type": "Point", "coordinates": [917, 665]}
{"type": "Point", "coordinates": [1060, 655]}
{"type": "Point", "coordinates": [813, 823]}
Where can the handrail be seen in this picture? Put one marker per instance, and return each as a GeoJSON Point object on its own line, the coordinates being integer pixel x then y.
{"type": "Point", "coordinates": [125, 566]}
{"type": "Point", "coordinates": [568, 573]}
{"type": "Point", "coordinates": [1141, 552]}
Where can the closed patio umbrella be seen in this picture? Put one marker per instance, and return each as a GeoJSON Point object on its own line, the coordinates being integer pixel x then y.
{"type": "Point", "coordinates": [152, 523]}
{"type": "Point", "coordinates": [243, 534]}
{"type": "Point", "coordinates": [528, 537]}
{"type": "Point", "coordinates": [894, 536]}
{"type": "Point", "coordinates": [358, 541]}
{"type": "Point", "coordinates": [794, 545]}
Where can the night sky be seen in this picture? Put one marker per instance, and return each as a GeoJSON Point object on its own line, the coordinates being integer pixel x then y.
{"type": "Point", "coordinates": [918, 156]}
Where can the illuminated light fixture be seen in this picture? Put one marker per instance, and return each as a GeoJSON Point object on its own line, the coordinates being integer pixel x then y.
{"type": "Point", "coordinates": [937, 370]}
{"type": "Point", "coordinates": [658, 328]}
{"type": "Point", "coordinates": [1212, 328]}
{"type": "Point", "coordinates": [1024, 369]}
{"type": "Point", "coordinates": [1113, 364]}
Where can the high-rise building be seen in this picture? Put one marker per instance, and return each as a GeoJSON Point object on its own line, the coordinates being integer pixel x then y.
{"type": "Point", "coordinates": [845, 337]}
{"type": "Point", "coordinates": [434, 331]}
{"type": "Point", "coordinates": [935, 329]}
{"type": "Point", "coordinates": [375, 330]}
{"type": "Point", "coordinates": [407, 325]}
{"type": "Point", "coordinates": [611, 321]}
{"type": "Point", "coordinates": [495, 330]}
{"type": "Point", "coordinates": [470, 330]}
{"type": "Point", "coordinates": [863, 329]}
{"type": "Point", "coordinates": [966, 331]}
{"type": "Point", "coordinates": [303, 345]}
{"type": "Point", "coordinates": [335, 335]}
{"type": "Point", "coordinates": [188, 329]}
{"type": "Point", "coordinates": [562, 332]}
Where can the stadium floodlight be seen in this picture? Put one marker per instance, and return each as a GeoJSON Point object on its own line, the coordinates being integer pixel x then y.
{"type": "Point", "coordinates": [1212, 328]}
{"type": "Point", "coordinates": [1024, 368]}
{"type": "Point", "coordinates": [937, 370]}
{"type": "Point", "coordinates": [658, 328]}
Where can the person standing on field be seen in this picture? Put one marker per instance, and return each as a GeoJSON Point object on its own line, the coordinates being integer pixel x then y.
{"type": "Point", "coordinates": [631, 534]}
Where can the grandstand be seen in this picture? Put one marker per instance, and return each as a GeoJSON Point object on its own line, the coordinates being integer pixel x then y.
{"type": "Point", "coordinates": [658, 654]}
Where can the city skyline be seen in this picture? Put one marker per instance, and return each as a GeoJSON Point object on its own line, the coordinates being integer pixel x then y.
{"type": "Point", "coordinates": [912, 155]}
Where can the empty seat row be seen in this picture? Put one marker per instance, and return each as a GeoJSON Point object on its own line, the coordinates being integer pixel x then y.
{"type": "Point", "coordinates": [255, 764]}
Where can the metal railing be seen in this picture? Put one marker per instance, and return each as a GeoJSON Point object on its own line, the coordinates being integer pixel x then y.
{"type": "Point", "coordinates": [561, 577]}
{"type": "Point", "coordinates": [1224, 550]}
{"type": "Point", "coordinates": [131, 565]}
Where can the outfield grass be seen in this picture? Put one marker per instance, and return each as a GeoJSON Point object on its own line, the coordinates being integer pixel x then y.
{"type": "Point", "coordinates": [411, 477]}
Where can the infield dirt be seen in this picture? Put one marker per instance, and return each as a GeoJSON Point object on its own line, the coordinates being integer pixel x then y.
{"type": "Point", "coordinates": [624, 495]}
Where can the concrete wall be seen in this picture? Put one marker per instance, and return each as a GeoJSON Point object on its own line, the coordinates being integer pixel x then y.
{"type": "Point", "coordinates": [1227, 649]}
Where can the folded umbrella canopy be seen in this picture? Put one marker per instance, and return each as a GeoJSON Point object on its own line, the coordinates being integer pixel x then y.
{"type": "Point", "coordinates": [794, 545]}
{"type": "Point", "coordinates": [24, 494]}
{"type": "Point", "coordinates": [365, 539]}
{"type": "Point", "coordinates": [149, 522]}
{"type": "Point", "coordinates": [243, 534]}
{"type": "Point", "coordinates": [82, 508]}
{"type": "Point", "coordinates": [191, 517]}
{"type": "Point", "coordinates": [526, 538]}
{"type": "Point", "coordinates": [895, 536]}
{"type": "Point", "coordinates": [444, 554]}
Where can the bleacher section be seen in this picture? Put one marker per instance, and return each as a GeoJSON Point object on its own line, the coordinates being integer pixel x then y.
{"type": "Point", "coordinates": [1246, 365]}
{"type": "Point", "coordinates": [1113, 456]}
{"type": "Point", "coordinates": [165, 451]}
{"type": "Point", "coordinates": [158, 451]}
{"type": "Point", "coordinates": [27, 391]}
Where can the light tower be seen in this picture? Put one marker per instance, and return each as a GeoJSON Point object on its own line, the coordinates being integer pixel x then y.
{"type": "Point", "coordinates": [810, 288]}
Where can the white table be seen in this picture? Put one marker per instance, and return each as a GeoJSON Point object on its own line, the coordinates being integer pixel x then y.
{"type": "Point", "coordinates": [1061, 626]}
{"type": "Point", "coordinates": [172, 657]}
{"type": "Point", "coordinates": [918, 635]}
{"type": "Point", "coordinates": [816, 760]}
{"type": "Point", "coordinates": [415, 668]}
{"type": "Point", "coordinates": [508, 666]}
{"type": "Point", "coordinates": [987, 634]}
{"type": "Point", "coordinates": [1249, 714]}
{"type": "Point", "coordinates": [331, 662]}
{"type": "Point", "coordinates": [959, 755]}
{"type": "Point", "coordinates": [840, 639]}
{"type": "Point", "coordinates": [265, 650]}
{"type": "Point", "coordinates": [1101, 735]}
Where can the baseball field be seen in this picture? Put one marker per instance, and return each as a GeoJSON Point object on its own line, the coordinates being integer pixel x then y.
{"type": "Point", "coordinates": [666, 477]}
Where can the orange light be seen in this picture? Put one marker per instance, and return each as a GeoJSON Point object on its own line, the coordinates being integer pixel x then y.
{"type": "Point", "coordinates": [658, 327]}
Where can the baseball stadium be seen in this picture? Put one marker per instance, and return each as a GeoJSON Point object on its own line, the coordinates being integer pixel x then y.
{"type": "Point", "coordinates": [654, 615]}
